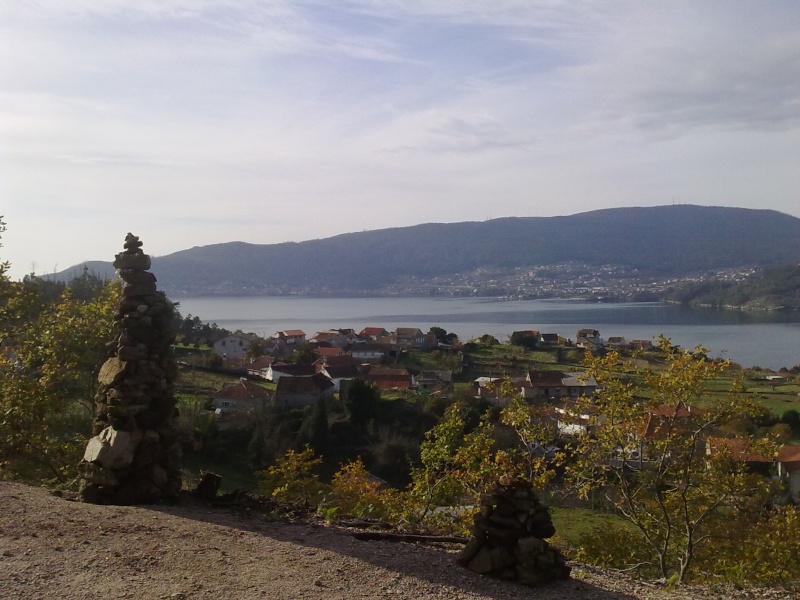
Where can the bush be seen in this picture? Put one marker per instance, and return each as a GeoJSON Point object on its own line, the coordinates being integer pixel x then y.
{"type": "Point", "coordinates": [292, 478]}
{"type": "Point", "coordinates": [354, 491]}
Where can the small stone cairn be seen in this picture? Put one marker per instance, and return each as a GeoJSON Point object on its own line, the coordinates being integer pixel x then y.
{"type": "Point", "coordinates": [134, 456]}
{"type": "Point", "coordinates": [508, 537]}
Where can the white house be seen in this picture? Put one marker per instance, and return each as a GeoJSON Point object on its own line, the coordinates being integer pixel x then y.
{"type": "Point", "coordinates": [233, 346]}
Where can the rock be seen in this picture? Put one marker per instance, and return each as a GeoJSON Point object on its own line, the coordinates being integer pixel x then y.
{"type": "Point", "coordinates": [482, 562]}
{"type": "Point", "coordinates": [508, 537]}
{"type": "Point", "coordinates": [132, 261]}
{"type": "Point", "coordinates": [112, 449]}
{"type": "Point", "coordinates": [112, 371]}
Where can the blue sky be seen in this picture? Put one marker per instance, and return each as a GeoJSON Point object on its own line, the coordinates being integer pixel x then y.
{"type": "Point", "coordinates": [192, 122]}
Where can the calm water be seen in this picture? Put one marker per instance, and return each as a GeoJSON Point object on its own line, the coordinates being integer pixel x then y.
{"type": "Point", "coordinates": [769, 340]}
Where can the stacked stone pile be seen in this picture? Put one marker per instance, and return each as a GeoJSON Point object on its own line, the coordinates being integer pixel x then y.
{"type": "Point", "coordinates": [134, 456]}
{"type": "Point", "coordinates": [508, 537]}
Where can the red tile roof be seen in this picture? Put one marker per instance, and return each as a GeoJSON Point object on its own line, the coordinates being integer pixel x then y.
{"type": "Point", "coordinates": [740, 449]}
{"type": "Point", "coordinates": [789, 453]}
{"type": "Point", "coordinates": [242, 390]}
{"type": "Point", "coordinates": [322, 351]}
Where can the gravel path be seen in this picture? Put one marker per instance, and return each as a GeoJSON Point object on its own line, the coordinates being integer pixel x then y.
{"type": "Point", "coordinates": [51, 547]}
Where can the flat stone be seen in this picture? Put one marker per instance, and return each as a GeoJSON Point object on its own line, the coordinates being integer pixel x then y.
{"type": "Point", "coordinates": [138, 261]}
{"type": "Point", "coordinates": [134, 276]}
{"type": "Point", "coordinates": [112, 371]}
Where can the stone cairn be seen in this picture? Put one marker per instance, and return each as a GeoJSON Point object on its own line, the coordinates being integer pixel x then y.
{"type": "Point", "coordinates": [134, 456]}
{"type": "Point", "coordinates": [508, 537]}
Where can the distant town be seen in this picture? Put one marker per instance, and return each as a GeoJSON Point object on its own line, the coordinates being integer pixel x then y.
{"type": "Point", "coordinates": [612, 283]}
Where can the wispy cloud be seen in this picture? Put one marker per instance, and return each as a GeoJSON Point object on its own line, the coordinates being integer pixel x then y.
{"type": "Point", "coordinates": [316, 118]}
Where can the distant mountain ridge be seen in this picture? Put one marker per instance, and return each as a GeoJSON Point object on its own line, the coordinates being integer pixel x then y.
{"type": "Point", "coordinates": [665, 240]}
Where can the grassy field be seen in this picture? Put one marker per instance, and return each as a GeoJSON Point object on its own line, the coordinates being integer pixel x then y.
{"type": "Point", "coordinates": [573, 523]}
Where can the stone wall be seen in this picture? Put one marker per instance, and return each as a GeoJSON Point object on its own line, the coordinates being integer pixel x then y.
{"type": "Point", "coordinates": [134, 456]}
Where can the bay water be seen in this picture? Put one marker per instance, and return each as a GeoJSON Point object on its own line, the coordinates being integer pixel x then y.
{"type": "Point", "coordinates": [767, 339]}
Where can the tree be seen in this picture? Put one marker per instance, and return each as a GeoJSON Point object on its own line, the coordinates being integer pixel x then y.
{"type": "Point", "coordinates": [649, 458]}
{"type": "Point", "coordinates": [461, 460]}
{"type": "Point", "coordinates": [314, 430]}
{"type": "Point", "coordinates": [304, 354]}
{"type": "Point", "coordinates": [361, 401]}
{"type": "Point", "coordinates": [48, 369]}
{"type": "Point", "coordinates": [442, 336]}
{"type": "Point", "coordinates": [256, 349]}
{"type": "Point", "coordinates": [87, 286]}
{"type": "Point", "coordinates": [526, 339]}
{"type": "Point", "coordinates": [488, 340]}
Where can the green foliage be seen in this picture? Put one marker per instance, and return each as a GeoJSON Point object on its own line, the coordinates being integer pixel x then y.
{"type": "Point", "coordinates": [488, 340]}
{"type": "Point", "coordinates": [442, 336]}
{"type": "Point", "coordinates": [771, 289]}
{"type": "Point", "coordinates": [292, 478]}
{"type": "Point", "coordinates": [314, 430]}
{"type": "Point", "coordinates": [460, 461]}
{"type": "Point", "coordinates": [360, 401]}
{"type": "Point", "coordinates": [525, 339]}
{"type": "Point", "coordinates": [763, 552]}
{"type": "Point", "coordinates": [47, 373]}
{"type": "Point", "coordinates": [673, 493]}
{"type": "Point", "coordinates": [304, 354]}
{"type": "Point", "coordinates": [354, 491]}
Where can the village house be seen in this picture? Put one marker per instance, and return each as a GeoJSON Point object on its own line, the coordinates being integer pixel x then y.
{"type": "Point", "coordinates": [549, 339]}
{"type": "Point", "coordinates": [278, 370]}
{"type": "Point", "coordinates": [259, 367]}
{"type": "Point", "coordinates": [484, 387]}
{"type": "Point", "coordinates": [340, 373]}
{"type": "Point", "coordinates": [789, 469]}
{"type": "Point", "coordinates": [234, 346]}
{"type": "Point", "coordinates": [385, 378]}
{"type": "Point", "coordinates": [576, 419]}
{"type": "Point", "coordinates": [334, 338]}
{"type": "Point", "coordinates": [409, 337]}
{"type": "Point", "coordinates": [235, 403]}
{"type": "Point", "coordinates": [325, 352]}
{"type": "Point", "coordinates": [371, 334]}
{"type": "Point", "coordinates": [371, 353]}
{"type": "Point", "coordinates": [291, 338]}
{"type": "Point", "coordinates": [588, 339]}
{"type": "Point", "coordinates": [295, 392]}
{"type": "Point", "coordinates": [547, 385]}
{"type": "Point", "coordinates": [338, 361]}
{"type": "Point", "coordinates": [491, 389]}
{"type": "Point", "coordinates": [433, 381]}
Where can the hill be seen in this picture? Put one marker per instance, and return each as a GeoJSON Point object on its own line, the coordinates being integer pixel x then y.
{"type": "Point", "coordinates": [775, 289]}
{"type": "Point", "coordinates": [664, 240]}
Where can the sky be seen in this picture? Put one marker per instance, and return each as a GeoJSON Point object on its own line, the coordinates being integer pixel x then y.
{"type": "Point", "coordinates": [196, 122]}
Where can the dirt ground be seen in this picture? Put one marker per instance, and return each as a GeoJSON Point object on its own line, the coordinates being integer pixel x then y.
{"type": "Point", "coordinates": [52, 547]}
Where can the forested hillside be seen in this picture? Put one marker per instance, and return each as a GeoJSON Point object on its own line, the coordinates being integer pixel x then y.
{"type": "Point", "coordinates": [666, 240]}
{"type": "Point", "coordinates": [775, 289]}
